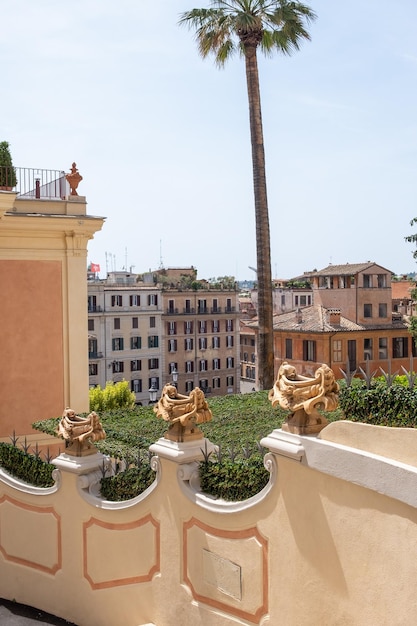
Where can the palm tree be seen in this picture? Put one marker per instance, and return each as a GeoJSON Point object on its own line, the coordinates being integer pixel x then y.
{"type": "Point", "coordinates": [230, 26]}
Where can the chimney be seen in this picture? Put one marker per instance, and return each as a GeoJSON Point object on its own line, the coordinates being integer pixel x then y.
{"type": "Point", "coordinates": [334, 317]}
{"type": "Point", "coordinates": [298, 316]}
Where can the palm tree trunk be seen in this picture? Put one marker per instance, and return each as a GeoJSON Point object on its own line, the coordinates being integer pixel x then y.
{"type": "Point", "coordinates": [265, 364]}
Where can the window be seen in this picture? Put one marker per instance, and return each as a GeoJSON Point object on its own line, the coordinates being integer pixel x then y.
{"type": "Point", "coordinates": [382, 309]}
{"type": "Point", "coordinates": [309, 350]}
{"type": "Point", "coordinates": [153, 364]}
{"type": "Point", "coordinates": [382, 281]}
{"type": "Point", "coordinates": [135, 343]}
{"type": "Point", "coordinates": [203, 365]}
{"type": "Point", "coordinates": [296, 302]}
{"type": "Point", "coordinates": [189, 386]}
{"type": "Point", "coordinates": [283, 300]}
{"type": "Point", "coordinates": [93, 369]}
{"type": "Point", "coordinates": [189, 367]}
{"type": "Point", "coordinates": [188, 328]}
{"type": "Point", "coordinates": [134, 300]}
{"type": "Point", "coordinates": [229, 307]}
{"type": "Point", "coordinates": [153, 341]}
{"type": "Point", "coordinates": [215, 308]}
{"type": "Point", "coordinates": [152, 321]}
{"type": "Point", "coordinates": [202, 326]}
{"type": "Point", "coordinates": [117, 343]}
{"type": "Point", "coordinates": [367, 349]}
{"type": "Point", "coordinates": [215, 342]}
{"type": "Point", "coordinates": [136, 365]}
{"type": "Point", "coordinates": [215, 326]}
{"type": "Point", "coordinates": [203, 384]}
{"type": "Point", "coordinates": [216, 383]}
{"type": "Point", "coordinates": [367, 280]}
{"type": "Point", "coordinates": [229, 341]}
{"type": "Point", "coordinates": [303, 300]}
{"type": "Point", "coordinates": [230, 381]}
{"type": "Point", "coordinates": [250, 372]}
{"type": "Point", "coordinates": [171, 306]}
{"type": "Point", "coordinates": [92, 348]}
{"type": "Point", "coordinates": [118, 367]}
{"type": "Point", "coordinates": [188, 308]}
{"type": "Point", "coordinates": [172, 328]}
{"type": "Point", "coordinates": [136, 385]}
{"type": "Point", "coordinates": [367, 310]}
{"type": "Point", "coordinates": [188, 344]}
{"type": "Point", "coordinates": [92, 303]}
{"type": "Point", "coordinates": [135, 322]}
{"type": "Point", "coordinates": [216, 364]}
{"type": "Point", "coordinates": [172, 345]}
{"type": "Point", "coordinates": [117, 300]}
{"type": "Point", "coordinates": [202, 343]}
{"type": "Point", "coordinates": [288, 348]}
{"type": "Point", "coordinates": [90, 324]}
{"type": "Point", "coordinates": [399, 347]}
{"type": "Point", "coordinates": [116, 323]}
{"type": "Point", "coordinates": [154, 380]}
{"type": "Point", "coordinates": [245, 356]}
{"type": "Point", "coordinates": [383, 348]}
{"type": "Point", "coordinates": [230, 362]}
{"type": "Point", "coordinates": [229, 326]}
{"type": "Point", "coordinates": [253, 357]}
{"type": "Point", "coordinates": [153, 299]}
{"type": "Point", "coordinates": [337, 350]}
{"type": "Point", "coordinates": [202, 306]}
{"type": "Point", "coordinates": [173, 367]}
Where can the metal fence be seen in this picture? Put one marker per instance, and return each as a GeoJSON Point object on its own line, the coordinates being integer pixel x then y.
{"type": "Point", "coordinates": [35, 183]}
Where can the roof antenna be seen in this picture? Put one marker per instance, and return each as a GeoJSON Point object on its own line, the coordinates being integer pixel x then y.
{"type": "Point", "coordinates": [161, 264]}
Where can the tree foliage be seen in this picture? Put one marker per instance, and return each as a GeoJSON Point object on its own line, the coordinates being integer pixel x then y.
{"type": "Point", "coordinates": [243, 26]}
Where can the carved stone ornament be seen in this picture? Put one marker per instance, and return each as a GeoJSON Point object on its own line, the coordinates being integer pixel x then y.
{"type": "Point", "coordinates": [183, 413]}
{"type": "Point", "coordinates": [80, 432]}
{"type": "Point", "coordinates": [302, 396]}
{"type": "Point", "coordinates": [74, 179]}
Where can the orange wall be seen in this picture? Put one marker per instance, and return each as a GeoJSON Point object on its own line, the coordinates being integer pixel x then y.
{"type": "Point", "coordinates": [31, 353]}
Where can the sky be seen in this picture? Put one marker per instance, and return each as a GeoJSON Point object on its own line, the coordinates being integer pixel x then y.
{"type": "Point", "coordinates": [161, 137]}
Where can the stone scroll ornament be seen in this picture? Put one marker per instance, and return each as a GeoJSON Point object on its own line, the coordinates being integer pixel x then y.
{"type": "Point", "coordinates": [80, 432]}
{"type": "Point", "coordinates": [303, 396]}
{"type": "Point", "coordinates": [183, 413]}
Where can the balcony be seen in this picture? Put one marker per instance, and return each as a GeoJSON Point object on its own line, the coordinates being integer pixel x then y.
{"type": "Point", "coordinates": [95, 355]}
{"type": "Point", "coordinates": [37, 184]}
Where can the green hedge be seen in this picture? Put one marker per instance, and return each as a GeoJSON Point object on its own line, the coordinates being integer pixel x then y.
{"type": "Point", "coordinates": [127, 484]}
{"type": "Point", "coordinates": [382, 405]}
{"type": "Point", "coordinates": [234, 480]}
{"type": "Point", "coordinates": [27, 467]}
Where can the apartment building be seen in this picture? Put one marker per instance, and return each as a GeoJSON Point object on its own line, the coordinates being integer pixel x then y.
{"type": "Point", "coordinates": [201, 339]}
{"type": "Point", "coordinates": [161, 327]}
{"type": "Point", "coordinates": [124, 333]}
{"type": "Point", "coordinates": [350, 325]}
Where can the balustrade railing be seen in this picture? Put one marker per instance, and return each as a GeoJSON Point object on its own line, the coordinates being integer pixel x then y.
{"type": "Point", "coordinates": [35, 184]}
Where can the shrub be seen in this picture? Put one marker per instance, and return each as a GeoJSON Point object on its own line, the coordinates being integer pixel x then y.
{"type": "Point", "coordinates": [113, 396]}
{"type": "Point", "coordinates": [235, 480]}
{"type": "Point", "coordinates": [27, 467]}
{"type": "Point", "coordinates": [127, 484]}
{"type": "Point", "coordinates": [381, 405]}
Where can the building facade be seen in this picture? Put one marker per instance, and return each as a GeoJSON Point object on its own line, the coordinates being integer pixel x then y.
{"type": "Point", "coordinates": [155, 328]}
{"type": "Point", "coordinates": [44, 232]}
{"type": "Point", "coordinates": [351, 325]}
